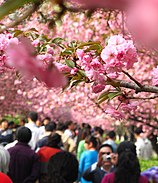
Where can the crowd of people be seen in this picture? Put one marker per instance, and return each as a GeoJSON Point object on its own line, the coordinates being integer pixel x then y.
{"type": "Point", "coordinates": [49, 152]}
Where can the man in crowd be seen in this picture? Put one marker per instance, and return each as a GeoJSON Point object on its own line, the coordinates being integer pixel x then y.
{"type": "Point", "coordinates": [111, 137]}
{"type": "Point", "coordinates": [32, 118]}
{"type": "Point", "coordinates": [143, 145]}
{"type": "Point", "coordinates": [103, 166]}
{"type": "Point", "coordinates": [24, 163]}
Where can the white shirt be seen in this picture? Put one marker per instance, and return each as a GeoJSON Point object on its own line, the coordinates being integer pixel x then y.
{"type": "Point", "coordinates": [143, 148]}
{"type": "Point", "coordinates": [35, 134]}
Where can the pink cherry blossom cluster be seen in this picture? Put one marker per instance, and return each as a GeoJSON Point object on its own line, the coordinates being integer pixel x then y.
{"type": "Point", "coordinates": [119, 54]}
{"type": "Point", "coordinates": [123, 109]}
{"type": "Point", "coordinates": [5, 40]}
{"type": "Point", "coordinates": [22, 57]}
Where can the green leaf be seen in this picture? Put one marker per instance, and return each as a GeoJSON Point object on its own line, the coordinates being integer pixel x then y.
{"type": "Point", "coordinates": [57, 40]}
{"type": "Point", "coordinates": [11, 5]}
{"type": "Point", "coordinates": [75, 83]}
{"type": "Point", "coordinates": [88, 44]}
{"type": "Point", "coordinates": [67, 52]}
{"type": "Point", "coordinates": [114, 94]}
{"type": "Point", "coordinates": [94, 47]}
{"type": "Point", "coordinates": [70, 63]}
{"type": "Point", "coordinates": [103, 97]}
{"type": "Point", "coordinates": [17, 33]}
{"type": "Point", "coordinates": [108, 95]}
{"type": "Point", "coordinates": [82, 73]}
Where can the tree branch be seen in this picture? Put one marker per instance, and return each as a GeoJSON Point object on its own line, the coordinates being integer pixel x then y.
{"type": "Point", "coordinates": [143, 98]}
{"type": "Point", "coordinates": [144, 88]}
{"type": "Point", "coordinates": [26, 14]}
{"type": "Point", "coordinates": [140, 121]}
{"type": "Point", "coordinates": [139, 84]}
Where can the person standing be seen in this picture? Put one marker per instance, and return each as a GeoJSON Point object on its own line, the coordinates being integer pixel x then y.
{"type": "Point", "coordinates": [4, 160]}
{"type": "Point", "coordinates": [143, 145]}
{"type": "Point", "coordinates": [96, 172]}
{"type": "Point", "coordinates": [24, 166]}
{"type": "Point", "coordinates": [111, 137]}
{"type": "Point", "coordinates": [32, 118]}
{"type": "Point", "coordinates": [88, 157]}
{"type": "Point", "coordinates": [127, 166]}
{"type": "Point", "coordinates": [62, 168]}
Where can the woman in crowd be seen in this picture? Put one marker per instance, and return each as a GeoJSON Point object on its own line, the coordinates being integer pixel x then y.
{"type": "Point", "coordinates": [62, 168]}
{"type": "Point", "coordinates": [127, 166]}
{"type": "Point", "coordinates": [88, 157]}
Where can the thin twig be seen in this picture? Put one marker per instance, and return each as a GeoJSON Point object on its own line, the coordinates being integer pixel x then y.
{"type": "Point", "coordinates": [143, 98]}
{"type": "Point", "coordinates": [132, 79]}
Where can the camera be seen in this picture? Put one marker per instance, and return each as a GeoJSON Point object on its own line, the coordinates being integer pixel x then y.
{"type": "Point", "coordinates": [106, 157]}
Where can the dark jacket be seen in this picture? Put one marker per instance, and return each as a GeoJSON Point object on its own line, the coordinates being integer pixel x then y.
{"type": "Point", "coordinates": [95, 174]}
{"type": "Point", "coordinates": [24, 164]}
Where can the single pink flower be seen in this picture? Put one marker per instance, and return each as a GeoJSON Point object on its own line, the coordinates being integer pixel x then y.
{"type": "Point", "coordinates": [115, 113]}
{"type": "Point", "coordinates": [97, 88]}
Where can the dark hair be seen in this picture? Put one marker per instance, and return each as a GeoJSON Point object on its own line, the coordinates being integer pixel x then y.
{"type": "Point", "coordinates": [106, 145]}
{"type": "Point", "coordinates": [68, 123]}
{"type": "Point", "coordinates": [23, 134]}
{"type": "Point", "coordinates": [47, 118]}
{"type": "Point", "coordinates": [23, 120]}
{"type": "Point", "coordinates": [60, 126]}
{"type": "Point", "coordinates": [84, 133]}
{"type": "Point", "coordinates": [93, 140]}
{"type": "Point", "coordinates": [62, 168]}
{"type": "Point", "coordinates": [54, 140]}
{"type": "Point", "coordinates": [33, 116]}
{"type": "Point", "coordinates": [3, 120]}
{"type": "Point", "coordinates": [111, 134]}
{"type": "Point", "coordinates": [128, 167]}
{"type": "Point", "coordinates": [138, 130]}
{"type": "Point", "coordinates": [50, 127]}
{"type": "Point", "coordinates": [10, 123]}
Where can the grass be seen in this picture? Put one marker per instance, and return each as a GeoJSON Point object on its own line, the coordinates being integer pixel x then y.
{"type": "Point", "coordinates": [145, 164]}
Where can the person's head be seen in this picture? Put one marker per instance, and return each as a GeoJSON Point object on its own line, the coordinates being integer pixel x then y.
{"type": "Point", "coordinates": [137, 132]}
{"type": "Point", "coordinates": [38, 123]}
{"type": "Point", "coordinates": [60, 126]}
{"type": "Point", "coordinates": [54, 140]}
{"type": "Point", "coordinates": [70, 125]}
{"type": "Point", "coordinates": [22, 122]}
{"type": "Point", "coordinates": [111, 135]}
{"type": "Point", "coordinates": [46, 120]}
{"type": "Point", "coordinates": [4, 160]}
{"type": "Point", "coordinates": [11, 124]}
{"type": "Point", "coordinates": [91, 142]}
{"type": "Point", "coordinates": [4, 124]}
{"type": "Point", "coordinates": [85, 132]}
{"type": "Point", "coordinates": [128, 168]}
{"type": "Point", "coordinates": [62, 168]}
{"type": "Point", "coordinates": [105, 151]}
{"type": "Point", "coordinates": [50, 127]}
{"type": "Point", "coordinates": [23, 134]}
{"type": "Point", "coordinates": [33, 116]}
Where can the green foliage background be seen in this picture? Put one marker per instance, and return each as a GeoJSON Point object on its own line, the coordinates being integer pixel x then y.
{"type": "Point", "coordinates": [145, 164]}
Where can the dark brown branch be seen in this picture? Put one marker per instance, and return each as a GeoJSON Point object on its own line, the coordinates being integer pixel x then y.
{"type": "Point", "coordinates": [143, 98]}
{"type": "Point", "coordinates": [132, 79]}
{"type": "Point", "coordinates": [145, 88]}
{"type": "Point", "coordinates": [140, 121]}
